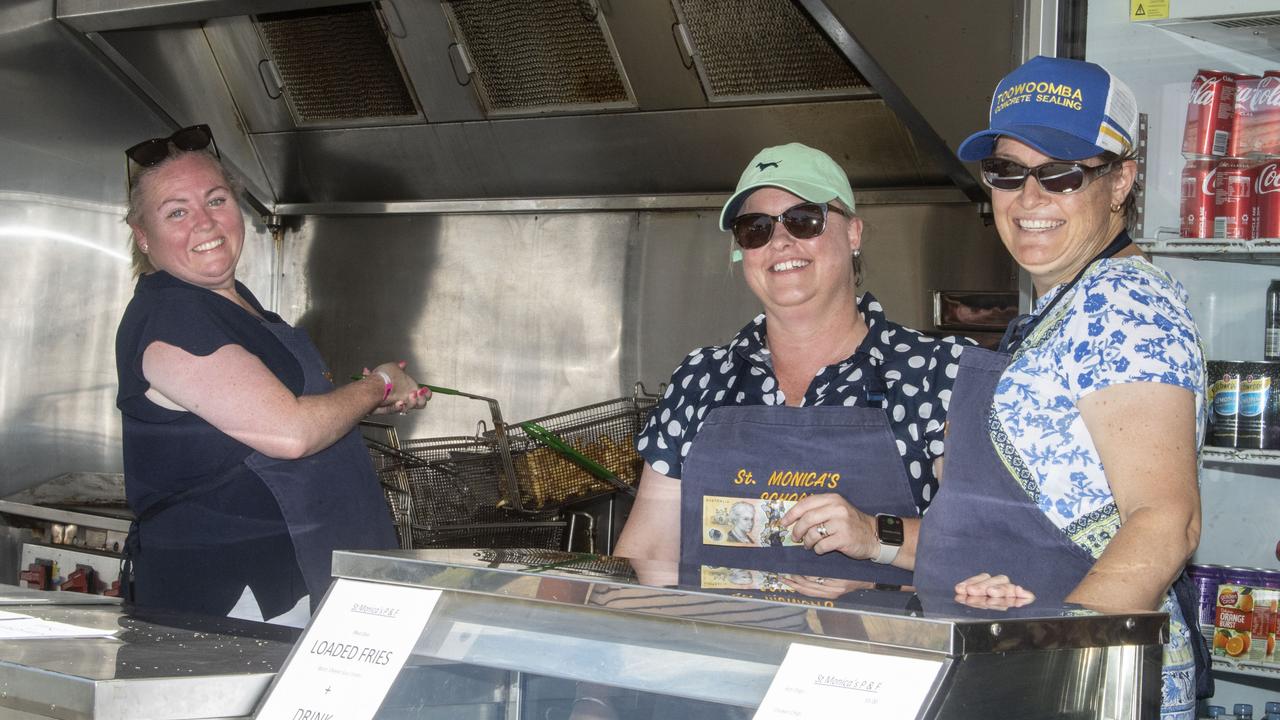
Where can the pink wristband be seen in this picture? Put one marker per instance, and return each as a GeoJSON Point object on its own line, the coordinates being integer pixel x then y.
{"type": "Point", "coordinates": [386, 380]}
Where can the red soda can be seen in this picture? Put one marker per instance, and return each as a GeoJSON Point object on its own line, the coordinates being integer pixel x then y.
{"type": "Point", "coordinates": [1233, 199]}
{"type": "Point", "coordinates": [1209, 112]}
{"type": "Point", "coordinates": [1198, 198]}
{"type": "Point", "coordinates": [1267, 199]}
{"type": "Point", "coordinates": [1264, 126]}
{"type": "Point", "coordinates": [1240, 138]}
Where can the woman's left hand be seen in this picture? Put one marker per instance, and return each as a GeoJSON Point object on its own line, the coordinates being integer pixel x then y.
{"type": "Point", "coordinates": [995, 592]}
{"type": "Point", "coordinates": [828, 522]}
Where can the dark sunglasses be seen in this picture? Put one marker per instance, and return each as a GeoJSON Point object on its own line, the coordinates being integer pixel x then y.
{"type": "Point", "coordinates": [1056, 177]}
{"type": "Point", "coordinates": [154, 151]}
{"type": "Point", "coordinates": [803, 221]}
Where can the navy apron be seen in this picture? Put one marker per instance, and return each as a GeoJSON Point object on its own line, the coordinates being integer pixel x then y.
{"type": "Point", "coordinates": [330, 500]}
{"type": "Point", "coordinates": [738, 451]}
{"type": "Point", "coordinates": [982, 520]}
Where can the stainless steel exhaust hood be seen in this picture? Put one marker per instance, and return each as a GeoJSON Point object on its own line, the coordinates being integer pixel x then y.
{"type": "Point", "coordinates": [330, 106]}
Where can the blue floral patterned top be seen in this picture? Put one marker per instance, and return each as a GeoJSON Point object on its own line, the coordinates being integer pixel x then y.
{"type": "Point", "coordinates": [1125, 321]}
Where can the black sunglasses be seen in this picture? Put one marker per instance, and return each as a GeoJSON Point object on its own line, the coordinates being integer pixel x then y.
{"type": "Point", "coordinates": [1056, 177]}
{"type": "Point", "coordinates": [154, 151]}
{"type": "Point", "coordinates": [803, 221]}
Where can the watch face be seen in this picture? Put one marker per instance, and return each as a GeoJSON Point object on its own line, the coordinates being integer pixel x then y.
{"type": "Point", "coordinates": [889, 529]}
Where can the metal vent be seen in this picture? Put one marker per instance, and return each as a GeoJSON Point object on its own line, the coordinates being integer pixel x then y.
{"type": "Point", "coordinates": [544, 56]}
{"type": "Point", "coordinates": [1257, 21]}
{"type": "Point", "coordinates": [764, 50]}
{"type": "Point", "coordinates": [336, 64]}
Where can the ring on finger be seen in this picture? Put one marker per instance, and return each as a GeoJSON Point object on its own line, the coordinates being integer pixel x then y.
{"type": "Point", "coordinates": [822, 529]}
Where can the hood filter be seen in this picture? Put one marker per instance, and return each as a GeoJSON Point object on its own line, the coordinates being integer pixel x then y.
{"type": "Point", "coordinates": [336, 64]}
{"type": "Point", "coordinates": [764, 50]}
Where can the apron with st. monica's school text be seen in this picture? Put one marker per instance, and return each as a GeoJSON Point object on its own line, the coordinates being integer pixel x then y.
{"type": "Point", "coordinates": [331, 499]}
{"type": "Point", "coordinates": [786, 453]}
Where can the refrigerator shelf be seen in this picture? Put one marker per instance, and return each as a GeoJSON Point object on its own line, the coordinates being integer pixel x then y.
{"type": "Point", "coordinates": [1264, 251]}
{"type": "Point", "coordinates": [1236, 456]}
{"type": "Point", "coordinates": [1246, 667]}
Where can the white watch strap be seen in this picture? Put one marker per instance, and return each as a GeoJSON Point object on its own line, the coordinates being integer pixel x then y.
{"type": "Point", "coordinates": [887, 554]}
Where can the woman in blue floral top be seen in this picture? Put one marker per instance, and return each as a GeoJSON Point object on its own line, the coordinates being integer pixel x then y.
{"type": "Point", "coordinates": [1077, 446]}
{"type": "Point", "coordinates": [806, 445]}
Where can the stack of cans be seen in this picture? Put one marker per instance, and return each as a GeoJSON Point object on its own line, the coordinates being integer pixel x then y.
{"type": "Point", "coordinates": [1231, 142]}
{"type": "Point", "coordinates": [1244, 404]}
{"type": "Point", "coordinates": [1239, 611]}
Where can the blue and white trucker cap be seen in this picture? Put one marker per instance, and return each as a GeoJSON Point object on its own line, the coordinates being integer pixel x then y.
{"type": "Point", "coordinates": [1066, 109]}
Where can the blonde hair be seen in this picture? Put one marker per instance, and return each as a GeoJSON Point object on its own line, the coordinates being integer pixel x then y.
{"type": "Point", "coordinates": [139, 262]}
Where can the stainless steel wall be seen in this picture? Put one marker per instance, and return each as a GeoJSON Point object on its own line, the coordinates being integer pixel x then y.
{"type": "Point", "coordinates": [546, 312]}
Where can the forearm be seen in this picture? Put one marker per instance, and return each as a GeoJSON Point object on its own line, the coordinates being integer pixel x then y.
{"type": "Point", "coordinates": [653, 528]}
{"type": "Point", "coordinates": [321, 420]}
{"type": "Point", "coordinates": [1141, 562]}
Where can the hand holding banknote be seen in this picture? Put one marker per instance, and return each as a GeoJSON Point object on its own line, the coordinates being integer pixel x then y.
{"type": "Point", "coordinates": [828, 522]}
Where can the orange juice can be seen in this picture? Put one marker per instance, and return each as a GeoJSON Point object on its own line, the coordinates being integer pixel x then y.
{"type": "Point", "coordinates": [1262, 635]}
{"type": "Point", "coordinates": [1233, 621]}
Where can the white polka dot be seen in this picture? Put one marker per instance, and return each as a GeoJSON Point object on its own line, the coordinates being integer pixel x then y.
{"type": "Point", "coordinates": [725, 367]}
{"type": "Point", "coordinates": [925, 409]}
{"type": "Point", "coordinates": [719, 395]}
{"type": "Point", "coordinates": [767, 398]}
{"type": "Point", "coordinates": [674, 429]}
{"type": "Point", "coordinates": [733, 380]}
{"type": "Point", "coordinates": [642, 444]}
{"type": "Point", "coordinates": [933, 363]}
{"type": "Point", "coordinates": [902, 447]}
{"type": "Point", "coordinates": [851, 400]}
{"type": "Point", "coordinates": [874, 306]}
{"type": "Point", "coordinates": [842, 368]}
{"type": "Point", "coordinates": [702, 410]}
{"type": "Point", "coordinates": [698, 429]}
{"type": "Point", "coordinates": [741, 397]}
{"type": "Point", "coordinates": [666, 414]}
{"type": "Point", "coordinates": [684, 449]}
{"type": "Point", "coordinates": [892, 375]}
{"type": "Point", "coordinates": [696, 360]}
{"type": "Point", "coordinates": [768, 384]}
{"type": "Point", "coordinates": [841, 388]}
{"type": "Point", "coordinates": [670, 389]}
{"type": "Point", "coordinates": [661, 467]}
{"type": "Point", "coordinates": [685, 382]}
{"type": "Point", "coordinates": [688, 413]}
{"type": "Point", "coordinates": [915, 361]}
{"type": "Point", "coordinates": [756, 371]}
{"type": "Point", "coordinates": [936, 447]}
{"type": "Point", "coordinates": [932, 426]}
{"type": "Point", "coordinates": [702, 383]}
{"type": "Point", "coordinates": [899, 412]}
{"type": "Point", "coordinates": [909, 390]}
{"type": "Point", "coordinates": [914, 431]}
{"type": "Point", "coordinates": [856, 375]}
{"type": "Point", "coordinates": [951, 371]}
{"type": "Point", "coordinates": [718, 354]}
{"type": "Point", "coordinates": [885, 335]}
{"type": "Point", "coordinates": [822, 389]}
{"type": "Point", "coordinates": [956, 350]}
{"type": "Point", "coordinates": [915, 469]}
{"type": "Point", "coordinates": [662, 443]}
{"type": "Point", "coordinates": [902, 348]}
{"type": "Point", "coordinates": [945, 397]}
{"type": "Point", "coordinates": [926, 492]}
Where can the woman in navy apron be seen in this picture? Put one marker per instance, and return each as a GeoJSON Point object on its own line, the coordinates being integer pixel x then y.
{"type": "Point", "coordinates": [805, 447]}
{"type": "Point", "coordinates": [1071, 455]}
{"type": "Point", "coordinates": [243, 466]}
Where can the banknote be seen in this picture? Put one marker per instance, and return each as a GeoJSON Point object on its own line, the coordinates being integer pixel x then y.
{"type": "Point", "coordinates": [745, 522]}
{"type": "Point", "coordinates": [723, 578]}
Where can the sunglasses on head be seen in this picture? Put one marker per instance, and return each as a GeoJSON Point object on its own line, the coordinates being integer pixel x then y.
{"type": "Point", "coordinates": [154, 151]}
{"type": "Point", "coordinates": [804, 221]}
{"type": "Point", "coordinates": [1056, 177]}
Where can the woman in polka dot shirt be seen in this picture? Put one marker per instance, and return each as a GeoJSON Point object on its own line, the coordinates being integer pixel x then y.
{"type": "Point", "coordinates": [821, 415]}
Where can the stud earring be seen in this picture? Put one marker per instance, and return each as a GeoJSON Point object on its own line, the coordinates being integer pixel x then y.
{"type": "Point", "coordinates": [1115, 207]}
{"type": "Point", "coordinates": [144, 247]}
{"type": "Point", "coordinates": [857, 252]}
{"type": "Point", "coordinates": [736, 255]}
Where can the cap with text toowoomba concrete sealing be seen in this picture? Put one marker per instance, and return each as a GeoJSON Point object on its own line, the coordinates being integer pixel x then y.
{"type": "Point", "coordinates": [799, 169]}
{"type": "Point", "coordinates": [1065, 109]}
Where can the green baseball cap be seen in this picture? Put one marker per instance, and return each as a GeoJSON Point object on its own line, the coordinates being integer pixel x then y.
{"type": "Point", "coordinates": [799, 169]}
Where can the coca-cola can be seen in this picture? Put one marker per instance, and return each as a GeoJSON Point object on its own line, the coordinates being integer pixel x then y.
{"type": "Point", "coordinates": [1209, 112]}
{"type": "Point", "coordinates": [1240, 138]}
{"type": "Point", "coordinates": [1233, 199]}
{"type": "Point", "coordinates": [1198, 198]}
{"type": "Point", "coordinates": [1267, 199]}
{"type": "Point", "coordinates": [1264, 125]}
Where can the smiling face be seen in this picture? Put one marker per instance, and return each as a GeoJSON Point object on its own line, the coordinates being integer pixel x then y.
{"type": "Point", "coordinates": [789, 273]}
{"type": "Point", "coordinates": [188, 223]}
{"type": "Point", "coordinates": [1052, 236]}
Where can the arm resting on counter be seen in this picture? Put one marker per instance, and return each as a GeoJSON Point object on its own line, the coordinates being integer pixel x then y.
{"type": "Point", "coordinates": [1145, 434]}
{"type": "Point", "coordinates": [653, 528]}
{"type": "Point", "coordinates": [234, 391]}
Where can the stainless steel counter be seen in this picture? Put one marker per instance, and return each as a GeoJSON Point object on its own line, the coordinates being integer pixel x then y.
{"type": "Point", "coordinates": [156, 666]}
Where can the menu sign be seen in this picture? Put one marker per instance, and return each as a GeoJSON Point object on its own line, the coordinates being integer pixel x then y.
{"type": "Point", "coordinates": [821, 683]}
{"type": "Point", "coordinates": [347, 659]}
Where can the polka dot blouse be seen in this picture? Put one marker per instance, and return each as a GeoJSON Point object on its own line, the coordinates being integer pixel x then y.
{"type": "Point", "coordinates": [913, 373]}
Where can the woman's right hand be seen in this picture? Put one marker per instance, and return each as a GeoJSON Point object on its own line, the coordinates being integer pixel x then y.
{"type": "Point", "coordinates": [992, 592]}
{"type": "Point", "coordinates": [405, 394]}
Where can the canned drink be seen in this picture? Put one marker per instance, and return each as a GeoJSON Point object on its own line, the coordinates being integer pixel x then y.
{"type": "Point", "coordinates": [1258, 425]}
{"type": "Point", "coordinates": [1233, 620]}
{"type": "Point", "coordinates": [1262, 637]}
{"type": "Point", "coordinates": [1210, 109]}
{"type": "Point", "coordinates": [1266, 198]}
{"type": "Point", "coordinates": [1199, 198]}
{"type": "Point", "coordinates": [1264, 125]}
{"type": "Point", "coordinates": [1233, 199]}
{"type": "Point", "coordinates": [1206, 579]}
{"type": "Point", "coordinates": [1240, 139]}
{"type": "Point", "coordinates": [1224, 402]}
